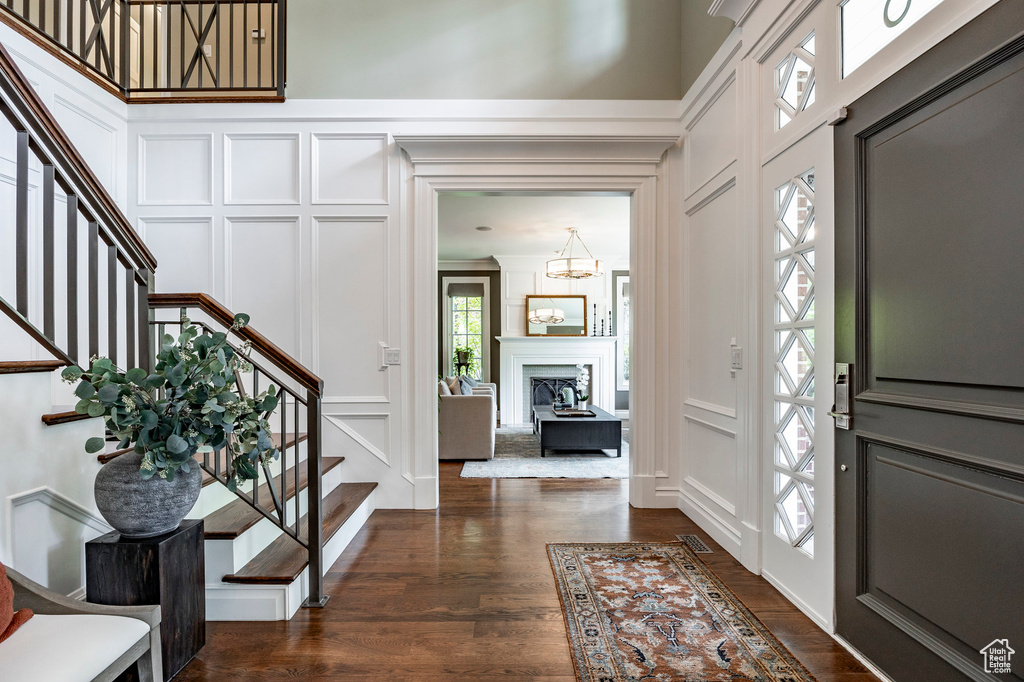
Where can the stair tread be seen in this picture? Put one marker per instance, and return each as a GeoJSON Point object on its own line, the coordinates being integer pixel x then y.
{"type": "Point", "coordinates": [26, 366]}
{"type": "Point", "coordinates": [237, 516]}
{"type": "Point", "coordinates": [54, 418]}
{"type": "Point", "coordinates": [284, 559]}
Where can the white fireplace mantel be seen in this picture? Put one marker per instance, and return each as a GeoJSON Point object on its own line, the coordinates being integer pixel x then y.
{"type": "Point", "coordinates": [517, 351]}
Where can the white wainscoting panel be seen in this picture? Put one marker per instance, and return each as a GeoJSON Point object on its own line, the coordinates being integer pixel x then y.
{"type": "Point", "coordinates": [369, 432]}
{"type": "Point", "coordinates": [712, 469]}
{"type": "Point", "coordinates": [714, 300]}
{"type": "Point", "coordinates": [264, 271]}
{"type": "Point", "coordinates": [93, 137]}
{"type": "Point", "coordinates": [186, 249]}
{"type": "Point", "coordinates": [712, 139]}
{"type": "Point", "coordinates": [352, 282]}
{"type": "Point", "coordinates": [176, 169]}
{"type": "Point", "coordinates": [261, 168]}
{"type": "Point", "coordinates": [350, 168]}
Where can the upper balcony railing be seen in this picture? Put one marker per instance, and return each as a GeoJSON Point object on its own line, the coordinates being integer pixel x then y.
{"type": "Point", "coordinates": [163, 50]}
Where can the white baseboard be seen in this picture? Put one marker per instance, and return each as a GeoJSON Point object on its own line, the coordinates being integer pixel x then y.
{"type": "Point", "coordinates": [818, 619]}
{"type": "Point", "coordinates": [723, 534]}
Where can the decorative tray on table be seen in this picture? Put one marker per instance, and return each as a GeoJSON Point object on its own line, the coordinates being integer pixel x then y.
{"type": "Point", "coordinates": [574, 413]}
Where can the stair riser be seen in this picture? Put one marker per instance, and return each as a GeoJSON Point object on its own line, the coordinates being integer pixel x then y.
{"type": "Point", "coordinates": [228, 556]}
{"type": "Point", "coordinates": [234, 602]}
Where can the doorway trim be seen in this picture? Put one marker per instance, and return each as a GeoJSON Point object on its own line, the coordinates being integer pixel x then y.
{"type": "Point", "coordinates": [434, 164]}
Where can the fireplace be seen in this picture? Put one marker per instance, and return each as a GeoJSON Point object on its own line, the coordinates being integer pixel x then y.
{"type": "Point", "coordinates": [526, 357]}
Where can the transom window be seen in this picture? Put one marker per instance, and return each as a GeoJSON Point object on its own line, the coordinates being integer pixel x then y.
{"type": "Point", "coordinates": [794, 82]}
{"type": "Point", "coordinates": [793, 458]}
{"type": "Point", "coordinates": [870, 25]}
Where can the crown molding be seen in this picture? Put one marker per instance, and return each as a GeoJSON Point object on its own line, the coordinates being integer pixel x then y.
{"type": "Point", "coordinates": [737, 10]}
{"type": "Point", "coordinates": [608, 149]}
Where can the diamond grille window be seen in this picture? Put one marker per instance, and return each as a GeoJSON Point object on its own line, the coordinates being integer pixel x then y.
{"type": "Point", "coordinates": [794, 82]}
{"type": "Point", "coordinates": [794, 361]}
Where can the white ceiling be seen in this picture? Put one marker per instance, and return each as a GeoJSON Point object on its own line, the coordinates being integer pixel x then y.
{"type": "Point", "coordinates": [530, 224]}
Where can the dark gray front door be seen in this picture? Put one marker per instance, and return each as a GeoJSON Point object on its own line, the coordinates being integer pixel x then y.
{"type": "Point", "coordinates": [930, 312]}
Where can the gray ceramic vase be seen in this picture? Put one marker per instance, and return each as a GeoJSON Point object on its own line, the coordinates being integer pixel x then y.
{"type": "Point", "coordinates": [137, 508]}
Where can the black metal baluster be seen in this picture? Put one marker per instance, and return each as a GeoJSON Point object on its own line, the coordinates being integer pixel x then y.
{"type": "Point", "coordinates": [145, 347]}
{"type": "Point", "coordinates": [56, 21]}
{"type": "Point", "coordinates": [72, 241]}
{"type": "Point", "coordinates": [81, 34]}
{"type": "Point", "coordinates": [256, 466]}
{"type": "Point", "coordinates": [273, 45]}
{"type": "Point", "coordinates": [126, 42]}
{"type": "Point", "coordinates": [259, 44]}
{"type": "Point", "coordinates": [245, 45]}
{"type": "Point", "coordinates": [298, 510]}
{"type": "Point", "coordinates": [313, 495]}
{"type": "Point", "coordinates": [282, 46]}
{"type": "Point", "coordinates": [142, 46]}
{"type": "Point", "coordinates": [200, 46]}
{"type": "Point", "coordinates": [21, 222]}
{"type": "Point", "coordinates": [112, 303]}
{"type": "Point", "coordinates": [231, 46]}
{"type": "Point", "coordinates": [49, 328]}
{"type": "Point", "coordinates": [156, 41]}
{"type": "Point", "coordinates": [129, 318]}
{"type": "Point", "coordinates": [216, 43]}
{"type": "Point", "coordinates": [94, 289]}
{"type": "Point", "coordinates": [181, 20]}
{"type": "Point", "coordinates": [284, 460]}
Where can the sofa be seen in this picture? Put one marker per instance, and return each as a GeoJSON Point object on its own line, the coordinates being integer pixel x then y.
{"type": "Point", "coordinates": [466, 423]}
{"type": "Point", "coordinates": [67, 640]}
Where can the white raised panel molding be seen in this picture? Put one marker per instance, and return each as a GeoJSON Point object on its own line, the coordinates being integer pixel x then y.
{"type": "Point", "coordinates": [350, 168]}
{"type": "Point", "coordinates": [263, 266]}
{"type": "Point", "coordinates": [262, 168]}
{"type": "Point", "coordinates": [712, 137]}
{"type": "Point", "coordinates": [352, 292]}
{"type": "Point", "coordinates": [178, 244]}
{"type": "Point", "coordinates": [381, 450]}
{"type": "Point", "coordinates": [517, 351]}
{"type": "Point", "coordinates": [175, 169]}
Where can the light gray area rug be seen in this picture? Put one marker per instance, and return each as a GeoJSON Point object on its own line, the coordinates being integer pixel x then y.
{"type": "Point", "coordinates": [517, 455]}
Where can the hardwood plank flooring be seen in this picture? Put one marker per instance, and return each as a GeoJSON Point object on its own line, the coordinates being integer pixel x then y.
{"type": "Point", "coordinates": [466, 592]}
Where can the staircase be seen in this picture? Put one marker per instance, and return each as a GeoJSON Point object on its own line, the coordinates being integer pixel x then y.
{"type": "Point", "coordinates": [268, 542]}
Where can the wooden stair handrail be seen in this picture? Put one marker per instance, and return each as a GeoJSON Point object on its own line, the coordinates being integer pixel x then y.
{"type": "Point", "coordinates": [267, 348]}
{"type": "Point", "coordinates": [22, 97]}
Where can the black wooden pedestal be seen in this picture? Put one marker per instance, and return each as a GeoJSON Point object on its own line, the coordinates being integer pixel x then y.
{"type": "Point", "coordinates": [167, 570]}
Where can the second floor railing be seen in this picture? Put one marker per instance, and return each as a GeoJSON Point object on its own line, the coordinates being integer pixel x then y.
{"type": "Point", "coordinates": [148, 50]}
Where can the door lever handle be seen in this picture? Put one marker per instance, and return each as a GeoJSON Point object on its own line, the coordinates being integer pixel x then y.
{"type": "Point", "coordinates": [841, 408]}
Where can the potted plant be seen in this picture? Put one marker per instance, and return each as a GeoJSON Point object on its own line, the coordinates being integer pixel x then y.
{"type": "Point", "coordinates": [582, 386]}
{"type": "Point", "coordinates": [189, 404]}
{"type": "Point", "coordinates": [463, 357]}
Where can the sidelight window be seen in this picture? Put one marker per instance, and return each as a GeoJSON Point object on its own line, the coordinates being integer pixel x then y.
{"type": "Point", "coordinates": [794, 361]}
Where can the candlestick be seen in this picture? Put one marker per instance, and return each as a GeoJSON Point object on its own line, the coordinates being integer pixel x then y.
{"type": "Point", "coordinates": [602, 327]}
{"type": "Point", "coordinates": [610, 332]}
{"type": "Point", "coordinates": [595, 319]}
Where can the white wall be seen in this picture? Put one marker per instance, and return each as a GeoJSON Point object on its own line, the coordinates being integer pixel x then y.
{"type": "Point", "coordinates": [298, 214]}
{"type": "Point", "coordinates": [523, 276]}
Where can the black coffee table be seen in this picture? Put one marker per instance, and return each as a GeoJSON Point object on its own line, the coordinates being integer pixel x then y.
{"type": "Point", "coordinates": [600, 432]}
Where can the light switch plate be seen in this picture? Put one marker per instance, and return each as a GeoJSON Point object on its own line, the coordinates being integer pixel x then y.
{"type": "Point", "coordinates": [737, 357]}
{"type": "Point", "coordinates": [392, 356]}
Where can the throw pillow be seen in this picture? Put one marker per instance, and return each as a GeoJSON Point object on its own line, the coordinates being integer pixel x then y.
{"type": "Point", "coordinates": [442, 388]}
{"type": "Point", "coordinates": [465, 387]}
{"type": "Point", "coordinates": [453, 385]}
{"type": "Point", "coordinates": [9, 620]}
{"type": "Point", "coordinates": [470, 380]}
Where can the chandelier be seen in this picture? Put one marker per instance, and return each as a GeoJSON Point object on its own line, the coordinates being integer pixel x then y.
{"type": "Point", "coordinates": [570, 267]}
{"type": "Point", "coordinates": [547, 316]}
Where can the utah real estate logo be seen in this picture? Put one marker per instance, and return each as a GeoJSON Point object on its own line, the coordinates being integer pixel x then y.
{"type": "Point", "coordinates": [997, 656]}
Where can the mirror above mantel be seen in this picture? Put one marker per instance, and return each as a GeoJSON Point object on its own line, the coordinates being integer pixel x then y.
{"type": "Point", "coordinates": [564, 315]}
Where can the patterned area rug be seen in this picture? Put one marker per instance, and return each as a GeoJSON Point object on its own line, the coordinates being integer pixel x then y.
{"type": "Point", "coordinates": [517, 455]}
{"type": "Point", "coordinates": [654, 611]}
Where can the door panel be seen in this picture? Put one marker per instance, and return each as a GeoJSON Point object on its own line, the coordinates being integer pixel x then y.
{"type": "Point", "coordinates": [929, 309]}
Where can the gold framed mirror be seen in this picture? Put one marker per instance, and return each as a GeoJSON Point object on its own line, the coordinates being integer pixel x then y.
{"type": "Point", "coordinates": [559, 315]}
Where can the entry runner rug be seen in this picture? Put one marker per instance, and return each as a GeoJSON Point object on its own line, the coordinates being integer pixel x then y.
{"type": "Point", "coordinates": [654, 611]}
{"type": "Point", "coordinates": [517, 455]}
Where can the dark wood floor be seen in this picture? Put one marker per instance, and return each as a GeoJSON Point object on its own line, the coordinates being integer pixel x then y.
{"type": "Point", "coordinates": [466, 592]}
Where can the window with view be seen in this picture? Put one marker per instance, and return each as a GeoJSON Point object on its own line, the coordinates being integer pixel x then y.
{"type": "Point", "coordinates": [467, 332]}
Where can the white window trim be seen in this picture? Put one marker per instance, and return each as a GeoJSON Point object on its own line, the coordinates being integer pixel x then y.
{"type": "Point", "coordinates": [485, 360]}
